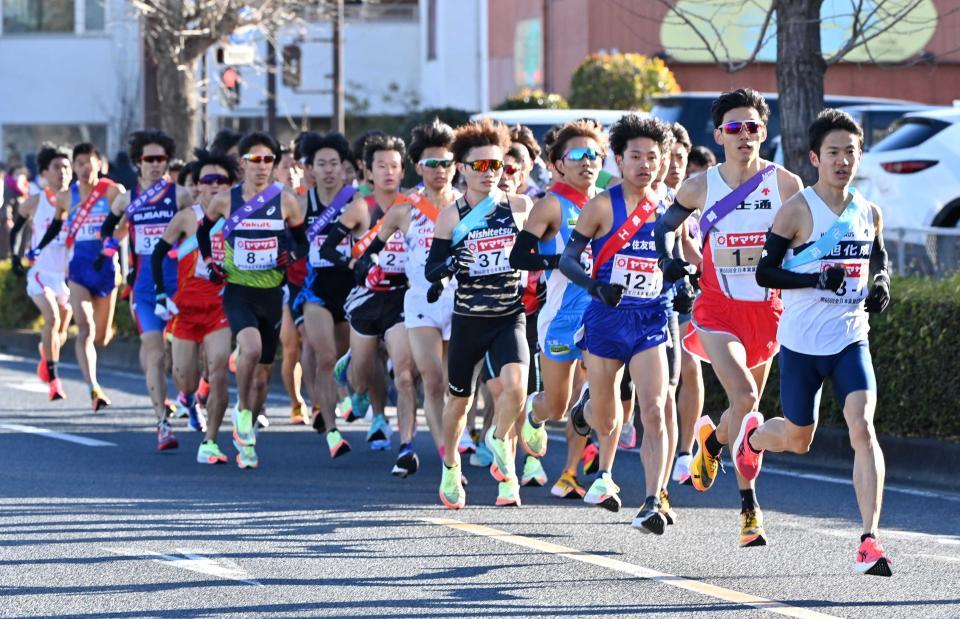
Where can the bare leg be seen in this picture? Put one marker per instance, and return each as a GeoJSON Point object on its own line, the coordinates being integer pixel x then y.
{"type": "Point", "coordinates": [290, 369]}
{"type": "Point", "coordinates": [398, 347]}
{"type": "Point", "coordinates": [248, 358]}
{"type": "Point", "coordinates": [869, 468]}
{"type": "Point", "coordinates": [154, 370]}
{"type": "Point", "coordinates": [319, 331]}
{"type": "Point", "coordinates": [426, 345]}
{"type": "Point", "coordinates": [601, 412]}
{"type": "Point", "coordinates": [86, 332]}
{"type": "Point", "coordinates": [217, 352]}
{"type": "Point", "coordinates": [648, 370]}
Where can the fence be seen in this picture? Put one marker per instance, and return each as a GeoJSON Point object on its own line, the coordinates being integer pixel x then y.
{"type": "Point", "coordinates": [923, 252]}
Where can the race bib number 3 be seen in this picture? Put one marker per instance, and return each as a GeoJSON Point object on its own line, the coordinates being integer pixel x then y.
{"type": "Point", "coordinates": [255, 254]}
{"type": "Point", "coordinates": [146, 237]}
{"type": "Point", "coordinates": [738, 253]}
{"type": "Point", "coordinates": [640, 276]}
{"type": "Point", "coordinates": [393, 257]}
{"type": "Point", "coordinates": [316, 261]}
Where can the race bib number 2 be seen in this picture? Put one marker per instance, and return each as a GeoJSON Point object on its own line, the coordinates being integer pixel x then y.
{"type": "Point", "coordinates": [640, 276]}
{"type": "Point", "coordinates": [493, 255]}
{"type": "Point", "coordinates": [255, 254]}
{"type": "Point", "coordinates": [393, 257]}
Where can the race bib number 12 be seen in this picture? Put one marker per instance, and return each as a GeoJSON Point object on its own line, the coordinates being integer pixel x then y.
{"type": "Point", "coordinates": [640, 276]}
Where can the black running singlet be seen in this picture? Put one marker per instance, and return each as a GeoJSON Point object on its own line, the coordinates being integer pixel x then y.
{"type": "Point", "coordinates": [491, 287]}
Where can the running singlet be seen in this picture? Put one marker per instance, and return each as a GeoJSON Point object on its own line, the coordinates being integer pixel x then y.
{"type": "Point", "coordinates": [634, 266]}
{"type": "Point", "coordinates": [734, 244]}
{"type": "Point", "coordinates": [193, 281]}
{"type": "Point", "coordinates": [562, 296]}
{"type": "Point", "coordinates": [147, 225]}
{"type": "Point", "coordinates": [490, 287]}
{"type": "Point", "coordinates": [393, 257]}
{"type": "Point", "coordinates": [823, 322]}
{"type": "Point", "coordinates": [419, 238]}
{"type": "Point", "coordinates": [314, 208]}
{"type": "Point", "coordinates": [53, 258]}
{"type": "Point", "coordinates": [87, 243]}
{"type": "Point", "coordinates": [251, 251]}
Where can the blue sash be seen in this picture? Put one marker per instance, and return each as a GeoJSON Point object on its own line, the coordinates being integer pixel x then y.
{"type": "Point", "coordinates": [727, 204]}
{"type": "Point", "coordinates": [343, 197]}
{"type": "Point", "coordinates": [832, 237]}
{"type": "Point", "coordinates": [149, 194]}
{"type": "Point", "coordinates": [475, 219]}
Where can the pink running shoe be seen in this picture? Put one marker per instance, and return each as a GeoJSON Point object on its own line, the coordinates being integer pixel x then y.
{"type": "Point", "coordinates": [745, 458]}
{"type": "Point", "coordinates": [871, 559]}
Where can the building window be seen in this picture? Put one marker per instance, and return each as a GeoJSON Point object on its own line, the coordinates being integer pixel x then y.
{"type": "Point", "coordinates": [95, 15]}
{"type": "Point", "coordinates": [38, 16]}
{"type": "Point", "coordinates": [432, 30]}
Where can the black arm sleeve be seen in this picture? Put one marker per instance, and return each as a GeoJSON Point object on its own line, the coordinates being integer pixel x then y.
{"type": "Point", "coordinates": [156, 263]}
{"type": "Point", "coordinates": [18, 223]}
{"type": "Point", "coordinates": [438, 263]}
{"type": "Point", "coordinates": [770, 273]}
{"type": "Point", "coordinates": [570, 261]}
{"type": "Point", "coordinates": [375, 247]}
{"type": "Point", "coordinates": [878, 257]}
{"type": "Point", "coordinates": [664, 233]}
{"type": "Point", "coordinates": [109, 225]}
{"type": "Point", "coordinates": [203, 238]}
{"type": "Point", "coordinates": [300, 244]}
{"type": "Point", "coordinates": [524, 255]}
{"type": "Point", "coordinates": [328, 251]}
{"type": "Point", "coordinates": [52, 231]}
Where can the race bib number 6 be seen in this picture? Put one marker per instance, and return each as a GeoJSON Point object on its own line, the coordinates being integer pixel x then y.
{"type": "Point", "coordinates": [255, 254]}
{"type": "Point", "coordinates": [640, 276]}
{"type": "Point", "coordinates": [493, 255]}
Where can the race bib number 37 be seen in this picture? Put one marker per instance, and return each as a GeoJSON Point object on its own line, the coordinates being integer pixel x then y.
{"type": "Point", "coordinates": [640, 276]}
{"type": "Point", "coordinates": [493, 255]}
{"type": "Point", "coordinates": [255, 254]}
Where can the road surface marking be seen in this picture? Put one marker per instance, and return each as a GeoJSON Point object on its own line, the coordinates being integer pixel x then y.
{"type": "Point", "coordinates": [70, 438]}
{"type": "Point", "coordinates": [938, 557]}
{"type": "Point", "coordinates": [720, 593]}
{"type": "Point", "coordinates": [191, 561]}
{"type": "Point", "coordinates": [32, 387]}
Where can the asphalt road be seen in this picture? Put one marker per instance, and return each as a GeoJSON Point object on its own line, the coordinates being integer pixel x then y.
{"type": "Point", "coordinates": [118, 530]}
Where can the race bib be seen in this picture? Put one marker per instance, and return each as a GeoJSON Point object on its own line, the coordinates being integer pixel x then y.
{"type": "Point", "coordinates": [736, 253]}
{"type": "Point", "coordinates": [393, 257]}
{"type": "Point", "coordinates": [586, 259]}
{"type": "Point", "coordinates": [217, 253]}
{"type": "Point", "coordinates": [146, 237]}
{"type": "Point", "coordinates": [255, 254]}
{"type": "Point", "coordinates": [493, 254]}
{"type": "Point", "coordinates": [90, 228]}
{"type": "Point", "coordinates": [314, 256]}
{"type": "Point", "coordinates": [854, 287]}
{"type": "Point", "coordinates": [641, 277]}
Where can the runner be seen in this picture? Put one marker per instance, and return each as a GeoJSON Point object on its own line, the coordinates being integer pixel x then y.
{"type": "Point", "coordinates": [148, 208]}
{"type": "Point", "coordinates": [258, 212]}
{"type": "Point", "coordinates": [576, 155]}
{"type": "Point", "coordinates": [699, 160]}
{"type": "Point", "coordinates": [823, 245]}
{"type": "Point", "coordinates": [196, 309]}
{"type": "Point", "coordinates": [522, 138]}
{"type": "Point", "coordinates": [473, 240]}
{"type": "Point", "coordinates": [734, 320]}
{"type": "Point", "coordinates": [93, 293]}
{"type": "Point", "coordinates": [46, 279]}
{"type": "Point", "coordinates": [626, 322]}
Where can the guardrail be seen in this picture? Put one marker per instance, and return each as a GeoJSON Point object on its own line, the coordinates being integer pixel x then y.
{"type": "Point", "coordinates": [923, 251]}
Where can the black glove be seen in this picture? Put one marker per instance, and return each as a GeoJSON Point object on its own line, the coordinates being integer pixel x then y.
{"type": "Point", "coordinates": [879, 297]}
{"type": "Point", "coordinates": [216, 273]}
{"type": "Point", "coordinates": [434, 292]}
{"type": "Point", "coordinates": [361, 268]}
{"type": "Point", "coordinates": [16, 266]}
{"type": "Point", "coordinates": [285, 259]}
{"type": "Point", "coordinates": [832, 278]}
{"type": "Point", "coordinates": [683, 301]}
{"type": "Point", "coordinates": [462, 258]}
{"type": "Point", "coordinates": [674, 269]}
{"type": "Point", "coordinates": [610, 294]}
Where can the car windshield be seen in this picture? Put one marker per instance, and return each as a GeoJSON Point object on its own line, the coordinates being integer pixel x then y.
{"type": "Point", "coordinates": [910, 132]}
{"type": "Point", "coordinates": [666, 110]}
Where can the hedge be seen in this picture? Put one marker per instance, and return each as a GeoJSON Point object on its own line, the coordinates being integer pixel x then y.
{"type": "Point", "coordinates": [534, 99]}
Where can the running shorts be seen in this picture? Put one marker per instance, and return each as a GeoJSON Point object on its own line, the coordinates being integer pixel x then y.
{"type": "Point", "coordinates": [557, 336]}
{"type": "Point", "coordinates": [142, 305]}
{"type": "Point", "coordinates": [38, 281]}
{"type": "Point", "coordinates": [328, 287]}
{"type": "Point", "coordinates": [497, 341]}
{"type": "Point", "coordinates": [802, 376]}
{"type": "Point", "coordinates": [257, 308]}
{"type": "Point", "coordinates": [621, 333]}
{"type": "Point", "coordinates": [418, 312]}
{"type": "Point", "coordinates": [374, 313]}
{"type": "Point", "coordinates": [100, 283]}
{"type": "Point", "coordinates": [753, 324]}
{"type": "Point", "coordinates": [195, 322]}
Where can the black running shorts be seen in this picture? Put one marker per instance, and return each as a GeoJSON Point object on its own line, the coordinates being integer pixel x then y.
{"type": "Point", "coordinates": [258, 308]}
{"type": "Point", "coordinates": [494, 341]}
{"type": "Point", "coordinates": [374, 313]}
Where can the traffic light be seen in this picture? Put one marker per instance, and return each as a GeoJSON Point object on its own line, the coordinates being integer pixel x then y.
{"type": "Point", "coordinates": [291, 66]}
{"type": "Point", "coordinates": [230, 87]}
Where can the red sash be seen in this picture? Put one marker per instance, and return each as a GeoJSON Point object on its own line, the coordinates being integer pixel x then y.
{"type": "Point", "coordinates": [98, 191]}
{"type": "Point", "coordinates": [364, 241]}
{"type": "Point", "coordinates": [634, 222]}
{"type": "Point", "coordinates": [570, 193]}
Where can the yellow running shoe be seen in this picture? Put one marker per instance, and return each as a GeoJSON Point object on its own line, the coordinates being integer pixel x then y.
{"type": "Point", "coordinates": [751, 529]}
{"type": "Point", "coordinates": [665, 509]}
{"type": "Point", "coordinates": [567, 487]}
{"type": "Point", "coordinates": [296, 413]}
{"type": "Point", "coordinates": [703, 467]}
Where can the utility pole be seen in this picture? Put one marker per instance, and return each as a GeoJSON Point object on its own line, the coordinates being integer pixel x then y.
{"type": "Point", "coordinates": [339, 122]}
{"type": "Point", "coordinates": [271, 127]}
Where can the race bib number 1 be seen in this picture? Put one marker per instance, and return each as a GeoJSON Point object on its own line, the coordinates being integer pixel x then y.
{"type": "Point", "coordinates": [640, 276]}
{"type": "Point", "coordinates": [255, 254]}
{"type": "Point", "coordinates": [738, 253]}
{"type": "Point", "coordinates": [493, 255]}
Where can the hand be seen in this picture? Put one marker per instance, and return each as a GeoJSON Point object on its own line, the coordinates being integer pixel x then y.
{"type": "Point", "coordinates": [216, 272]}
{"type": "Point", "coordinates": [361, 268]}
{"type": "Point", "coordinates": [683, 301]}
{"type": "Point", "coordinates": [107, 252]}
{"type": "Point", "coordinates": [832, 278]}
{"type": "Point", "coordinates": [879, 297]}
{"type": "Point", "coordinates": [32, 255]}
{"type": "Point", "coordinates": [16, 266]}
{"type": "Point", "coordinates": [675, 269]}
{"type": "Point", "coordinates": [434, 292]}
{"type": "Point", "coordinates": [165, 309]}
{"type": "Point", "coordinates": [463, 257]}
{"type": "Point", "coordinates": [610, 294]}
{"type": "Point", "coordinates": [285, 259]}
{"type": "Point", "coordinates": [374, 277]}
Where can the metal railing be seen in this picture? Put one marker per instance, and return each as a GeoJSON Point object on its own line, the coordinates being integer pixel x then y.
{"type": "Point", "coordinates": [923, 252]}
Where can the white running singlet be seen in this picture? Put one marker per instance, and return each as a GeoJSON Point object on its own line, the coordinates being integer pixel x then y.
{"type": "Point", "coordinates": [53, 258]}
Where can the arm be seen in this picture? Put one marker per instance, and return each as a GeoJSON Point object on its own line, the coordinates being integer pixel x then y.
{"type": "Point", "coordinates": [879, 297]}
{"type": "Point", "coordinates": [590, 223]}
{"type": "Point", "coordinates": [789, 226]}
{"type": "Point", "coordinates": [542, 221]}
{"type": "Point", "coordinates": [664, 238]}
{"type": "Point", "coordinates": [354, 219]}
{"type": "Point", "coordinates": [443, 261]}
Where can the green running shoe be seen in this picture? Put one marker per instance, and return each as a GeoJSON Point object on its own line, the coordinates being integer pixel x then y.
{"type": "Point", "coordinates": [452, 494]}
{"type": "Point", "coordinates": [209, 453]}
{"type": "Point", "coordinates": [243, 433]}
{"type": "Point", "coordinates": [502, 466]}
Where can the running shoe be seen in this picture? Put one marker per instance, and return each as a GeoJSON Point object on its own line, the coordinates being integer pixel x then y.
{"type": "Point", "coordinates": [203, 391]}
{"type": "Point", "coordinates": [42, 372]}
{"type": "Point", "coordinates": [745, 458]}
{"type": "Point", "coordinates": [243, 432]}
{"type": "Point", "coordinates": [340, 370]}
{"type": "Point", "coordinates": [98, 399]}
{"type": "Point", "coordinates": [605, 493]}
{"type": "Point", "coordinates": [502, 466]}
{"type": "Point", "coordinates": [665, 509]}
{"type": "Point", "coordinates": [567, 487]}
{"type": "Point", "coordinates": [681, 470]}
{"type": "Point", "coordinates": [577, 419]}
{"type": "Point", "coordinates": [337, 444]}
{"type": "Point", "coordinates": [247, 456]}
{"type": "Point", "coordinates": [533, 439]}
{"type": "Point", "coordinates": [466, 446]}
{"type": "Point", "coordinates": [452, 493]}
{"type": "Point", "coordinates": [379, 431]}
{"type": "Point", "coordinates": [533, 473]}
{"type": "Point", "coordinates": [483, 456]}
{"type": "Point", "coordinates": [344, 408]}
{"type": "Point", "coordinates": [628, 436]}
{"type": "Point", "coordinates": [316, 420]}
{"type": "Point", "coordinates": [650, 519]}
{"type": "Point", "coordinates": [359, 403]}
{"type": "Point", "coordinates": [182, 408]}
{"type": "Point", "coordinates": [166, 439]}
{"type": "Point", "coordinates": [232, 361]}
{"type": "Point", "coordinates": [703, 466]}
{"type": "Point", "coordinates": [56, 390]}
{"type": "Point", "coordinates": [209, 453]}
{"type": "Point", "coordinates": [751, 528]}
{"type": "Point", "coordinates": [296, 413]}
{"type": "Point", "coordinates": [872, 560]}
{"type": "Point", "coordinates": [171, 406]}
{"type": "Point", "coordinates": [195, 419]}
{"type": "Point", "coordinates": [407, 464]}
{"type": "Point", "coordinates": [590, 458]}
{"type": "Point", "coordinates": [509, 494]}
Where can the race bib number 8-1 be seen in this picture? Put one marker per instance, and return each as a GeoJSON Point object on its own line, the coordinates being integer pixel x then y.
{"type": "Point", "coordinates": [640, 276]}
{"type": "Point", "coordinates": [255, 254]}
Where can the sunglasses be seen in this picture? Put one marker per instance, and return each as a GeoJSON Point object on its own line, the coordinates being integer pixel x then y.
{"type": "Point", "coordinates": [482, 165]}
{"type": "Point", "coordinates": [510, 170]}
{"type": "Point", "coordinates": [578, 154]}
{"type": "Point", "coordinates": [734, 127]}
{"type": "Point", "coordinates": [153, 158]}
{"type": "Point", "coordinates": [435, 163]}
{"type": "Point", "coordinates": [214, 179]}
{"type": "Point", "coordinates": [260, 158]}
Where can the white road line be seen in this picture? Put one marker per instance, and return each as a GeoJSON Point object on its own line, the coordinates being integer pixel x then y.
{"type": "Point", "coordinates": [31, 387]}
{"type": "Point", "coordinates": [720, 593]}
{"type": "Point", "coordinates": [938, 557]}
{"type": "Point", "coordinates": [191, 561]}
{"type": "Point", "coordinates": [70, 438]}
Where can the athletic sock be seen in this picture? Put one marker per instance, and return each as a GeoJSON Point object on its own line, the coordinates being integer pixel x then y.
{"type": "Point", "coordinates": [52, 369]}
{"type": "Point", "coordinates": [93, 386]}
{"type": "Point", "coordinates": [712, 445]}
{"type": "Point", "coordinates": [203, 390]}
{"type": "Point", "coordinates": [601, 472]}
{"type": "Point", "coordinates": [535, 424]}
{"type": "Point", "coordinates": [748, 500]}
{"type": "Point", "coordinates": [864, 537]}
{"type": "Point", "coordinates": [680, 454]}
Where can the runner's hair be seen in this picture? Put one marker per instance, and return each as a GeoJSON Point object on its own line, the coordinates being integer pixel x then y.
{"type": "Point", "coordinates": [829, 120]}
{"type": "Point", "coordinates": [381, 142]}
{"type": "Point", "coordinates": [186, 171]}
{"type": "Point", "coordinates": [225, 140]}
{"type": "Point", "coordinates": [631, 126]}
{"type": "Point", "coordinates": [48, 153]}
{"type": "Point", "coordinates": [580, 128]}
{"type": "Point", "coordinates": [524, 135]}
{"type": "Point", "coordinates": [515, 153]}
{"type": "Point", "coordinates": [86, 148]}
{"type": "Point", "coordinates": [259, 138]}
{"type": "Point", "coordinates": [477, 133]}
{"type": "Point", "coordinates": [358, 145]}
{"type": "Point", "coordinates": [683, 137]}
{"type": "Point", "coordinates": [701, 156]}
{"type": "Point", "coordinates": [311, 143]}
{"type": "Point", "coordinates": [206, 157]}
{"type": "Point", "coordinates": [741, 97]}
{"type": "Point", "coordinates": [434, 134]}
{"type": "Point", "coordinates": [139, 139]}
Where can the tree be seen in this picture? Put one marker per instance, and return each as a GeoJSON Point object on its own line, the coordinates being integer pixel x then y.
{"type": "Point", "coordinates": [801, 64]}
{"type": "Point", "coordinates": [534, 99]}
{"type": "Point", "coordinates": [620, 82]}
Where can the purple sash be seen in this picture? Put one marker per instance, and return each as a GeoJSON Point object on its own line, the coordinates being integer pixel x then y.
{"type": "Point", "coordinates": [728, 203]}
{"type": "Point", "coordinates": [135, 205]}
{"type": "Point", "coordinates": [250, 207]}
{"type": "Point", "coordinates": [343, 198]}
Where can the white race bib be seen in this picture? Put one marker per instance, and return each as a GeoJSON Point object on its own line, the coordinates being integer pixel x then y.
{"type": "Point", "coordinates": [854, 287]}
{"type": "Point", "coordinates": [255, 254]}
{"type": "Point", "coordinates": [641, 277]}
{"type": "Point", "coordinates": [90, 228]}
{"type": "Point", "coordinates": [737, 253]}
{"type": "Point", "coordinates": [316, 261]}
{"type": "Point", "coordinates": [393, 257]}
{"type": "Point", "coordinates": [493, 254]}
{"type": "Point", "coordinates": [146, 237]}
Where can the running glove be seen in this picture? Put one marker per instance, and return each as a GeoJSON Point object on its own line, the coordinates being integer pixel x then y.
{"type": "Point", "coordinates": [362, 268]}
{"type": "Point", "coordinates": [832, 278]}
{"type": "Point", "coordinates": [434, 292]}
{"type": "Point", "coordinates": [879, 297]}
{"type": "Point", "coordinates": [16, 266]}
{"type": "Point", "coordinates": [683, 300]}
{"type": "Point", "coordinates": [165, 309]}
{"type": "Point", "coordinates": [675, 269]}
{"type": "Point", "coordinates": [610, 294]}
{"type": "Point", "coordinates": [285, 259]}
{"type": "Point", "coordinates": [463, 257]}
{"type": "Point", "coordinates": [107, 252]}
{"type": "Point", "coordinates": [216, 273]}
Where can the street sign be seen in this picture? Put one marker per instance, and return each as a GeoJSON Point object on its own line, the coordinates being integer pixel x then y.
{"type": "Point", "coordinates": [237, 55]}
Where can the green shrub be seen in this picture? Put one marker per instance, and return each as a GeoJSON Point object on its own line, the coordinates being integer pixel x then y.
{"type": "Point", "coordinates": [912, 345]}
{"type": "Point", "coordinates": [534, 99]}
{"type": "Point", "coordinates": [620, 82]}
